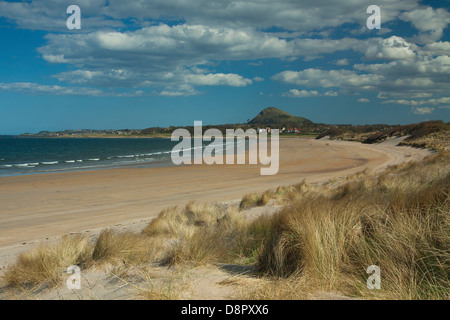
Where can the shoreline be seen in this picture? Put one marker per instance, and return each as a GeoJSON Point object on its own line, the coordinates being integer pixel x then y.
{"type": "Point", "coordinates": [42, 207]}
{"type": "Point", "coordinates": [149, 136]}
{"type": "Point", "coordinates": [100, 136]}
{"type": "Point", "coordinates": [17, 168]}
{"type": "Point", "coordinates": [137, 165]}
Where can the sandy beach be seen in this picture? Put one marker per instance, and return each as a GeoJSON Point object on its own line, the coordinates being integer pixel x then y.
{"type": "Point", "coordinates": [42, 207]}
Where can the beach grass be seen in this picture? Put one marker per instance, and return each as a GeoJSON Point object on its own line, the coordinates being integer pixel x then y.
{"type": "Point", "coordinates": [398, 221]}
{"type": "Point", "coordinates": [45, 265]}
{"type": "Point", "coordinates": [126, 247]}
{"type": "Point", "coordinates": [206, 233]}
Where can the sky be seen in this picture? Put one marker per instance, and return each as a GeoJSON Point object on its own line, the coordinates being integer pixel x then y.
{"type": "Point", "coordinates": [139, 64]}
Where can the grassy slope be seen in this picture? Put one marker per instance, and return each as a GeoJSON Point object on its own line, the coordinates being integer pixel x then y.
{"type": "Point", "coordinates": [274, 116]}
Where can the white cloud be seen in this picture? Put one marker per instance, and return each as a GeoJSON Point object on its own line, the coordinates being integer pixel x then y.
{"type": "Point", "coordinates": [342, 62]}
{"type": "Point", "coordinates": [437, 68]}
{"type": "Point", "coordinates": [185, 42]}
{"type": "Point", "coordinates": [391, 48]}
{"type": "Point", "coordinates": [300, 16]}
{"type": "Point", "coordinates": [363, 100]}
{"type": "Point", "coordinates": [167, 93]}
{"type": "Point", "coordinates": [51, 14]}
{"type": "Point", "coordinates": [435, 101]}
{"type": "Point", "coordinates": [429, 21]}
{"type": "Point", "coordinates": [414, 72]}
{"type": "Point", "coordinates": [422, 110]}
{"type": "Point", "coordinates": [166, 57]}
{"type": "Point", "coordinates": [327, 78]}
{"type": "Point", "coordinates": [294, 93]}
{"type": "Point", "coordinates": [440, 48]}
{"type": "Point", "coordinates": [55, 90]}
{"type": "Point", "coordinates": [173, 58]}
{"type": "Point", "coordinates": [54, 58]}
{"type": "Point", "coordinates": [34, 88]}
{"type": "Point", "coordinates": [217, 79]}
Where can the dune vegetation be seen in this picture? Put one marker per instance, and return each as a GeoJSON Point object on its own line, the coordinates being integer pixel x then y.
{"type": "Point", "coordinates": [429, 134]}
{"type": "Point", "coordinates": [322, 240]}
{"type": "Point", "coordinates": [398, 220]}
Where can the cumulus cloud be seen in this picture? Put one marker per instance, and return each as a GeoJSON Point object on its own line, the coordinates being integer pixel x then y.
{"type": "Point", "coordinates": [126, 45]}
{"type": "Point", "coordinates": [391, 48]}
{"type": "Point", "coordinates": [171, 56]}
{"type": "Point", "coordinates": [440, 48]}
{"type": "Point", "coordinates": [184, 43]}
{"type": "Point", "coordinates": [410, 71]}
{"type": "Point", "coordinates": [429, 21]}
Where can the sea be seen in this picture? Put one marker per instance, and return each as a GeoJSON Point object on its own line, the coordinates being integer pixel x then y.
{"type": "Point", "coordinates": [23, 155]}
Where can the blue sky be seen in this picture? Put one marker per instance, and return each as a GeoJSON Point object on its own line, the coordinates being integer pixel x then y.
{"type": "Point", "coordinates": [137, 64]}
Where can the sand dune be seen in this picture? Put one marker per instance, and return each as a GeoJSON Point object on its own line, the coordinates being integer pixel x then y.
{"type": "Point", "coordinates": [46, 206]}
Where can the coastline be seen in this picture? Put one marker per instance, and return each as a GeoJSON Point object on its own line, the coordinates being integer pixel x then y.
{"type": "Point", "coordinates": [138, 156]}
{"type": "Point", "coordinates": [98, 136]}
{"type": "Point", "coordinates": [141, 136]}
{"type": "Point", "coordinates": [44, 207]}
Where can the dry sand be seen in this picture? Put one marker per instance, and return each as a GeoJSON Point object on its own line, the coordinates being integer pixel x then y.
{"type": "Point", "coordinates": [43, 207]}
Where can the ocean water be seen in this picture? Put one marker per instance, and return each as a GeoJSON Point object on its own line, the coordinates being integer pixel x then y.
{"type": "Point", "coordinates": [42, 155]}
